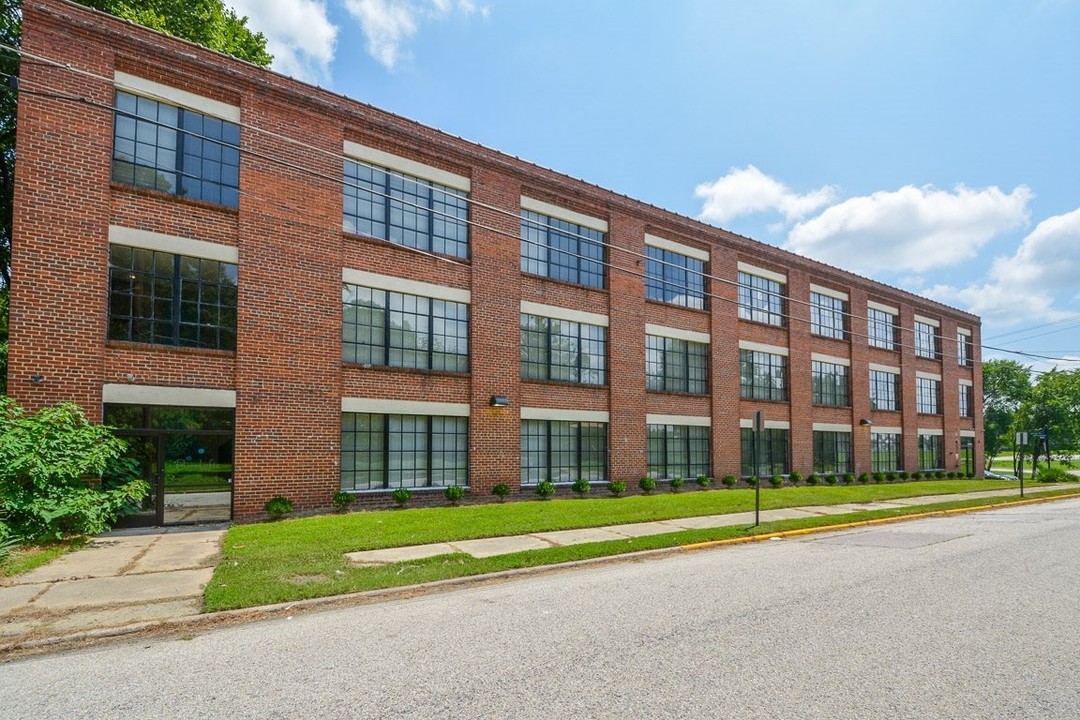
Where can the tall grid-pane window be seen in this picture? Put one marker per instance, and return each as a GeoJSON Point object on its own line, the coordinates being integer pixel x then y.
{"type": "Point", "coordinates": [399, 330]}
{"type": "Point", "coordinates": [165, 299]}
{"type": "Point", "coordinates": [390, 451]}
{"type": "Point", "coordinates": [175, 150]}
{"type": "Point", "coordinates": [405, 210]}
{"type": "Point", "coordinates": [927, 396]}
{"type": "Point", "coordinates": [882, 329]}
{"type": "Point", "coordinates": [967, 401]}
{"type": "Point", "coordinates": [884, 390]}
{"type": "Point", "coordinates": [561, 350]}
{"type": "Point", "coordinates": [829, 383]}
{"type": "Point", "coordinates": [761, 300]}
{"type": "Point", "coordinates": [832, 452]}
{"type": "Point", "coordinates": [563, 451]}
{"type": "Point", "coordinates": [827, 316]}
{"type": "Point", "coordinates": [762, 375]}
{"type": "Point", "coordinates": [772, 451]}
{"type": "Point", "coordinates": [886, 452]}
{"type": "Point", "coordinates": [931, 452]}
{"type": "Point", "coordinates": [680, 450]}
{"type": "Point", "coordinates": [674, 278]}
{"type": "Point", "coordinates": [963, 349]}
{"type": "Point", "coordinates": [561, 250]}
{"type": "Point", "coordinates": [673, 365]}
{"type": "Point", "coordinates": [927, 344]}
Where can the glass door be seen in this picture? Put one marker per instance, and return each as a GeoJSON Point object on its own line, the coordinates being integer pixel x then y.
{"type": "Point", "coordinates": [197, 478]}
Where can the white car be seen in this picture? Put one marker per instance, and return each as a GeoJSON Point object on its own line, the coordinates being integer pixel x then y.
{"type": "Point", "coordinates": [998, 476]}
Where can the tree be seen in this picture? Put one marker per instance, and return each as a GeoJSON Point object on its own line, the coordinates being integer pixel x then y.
{"type": "Point", "coordinates": [1052, 406]}
{"type": "Point", "coordinates": [1006, 385]}
{"type": "Point", "coordinates": [206, 22]}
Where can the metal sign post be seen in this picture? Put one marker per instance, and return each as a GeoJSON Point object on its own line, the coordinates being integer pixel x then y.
{"type": "Point", "coordinates": [759, 427]}
{"type": "Point", "coordinates": [1022, 440]}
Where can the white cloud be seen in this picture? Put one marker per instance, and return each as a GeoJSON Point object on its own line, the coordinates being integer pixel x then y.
{"type": "Point", "coordinates": [1024, 287]}
{"type": "Point", "coordinates": [748, 191]}
{"type": "Point", "coordinates": [298, 33]}
{"type": "Point", "coordinates": [910, 229]}
{"type": "Point", "coordinates": [388, 24]}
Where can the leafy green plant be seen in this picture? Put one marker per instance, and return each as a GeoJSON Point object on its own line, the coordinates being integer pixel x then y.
{"type": "Point", "coordinates": [890, 476]}
{"type": "Point", "coordinates": [647, 484]}
{"type": "Point", "coordinates": [812, 479]}
{"type": "Point", "coordinates": [729, 481]}
{"type": "Point", "coordinates": [616, 487]}
{"type": "Point", "coordinates": [829, 479]}
{"type": "Point", "coordinates": [969, 475]}
{"type": "Point", "coordinates": [950, 475]}
{"type": "Point", "coordinates": [501, 491]}
{"type": "Point", "coordinates": [776, 480]}
{"type": "Point", "coordinates": [904, 475]}
{"type": "Point", "coordinates": [879, 477]}
{"type": "Point", "coordinates": [795, 477]}
{"type": "Point", "coordinates": [402, 496]}
{"type": "Point", "coordinates": [864, 478]}
{"type": "Point", "coordinates": [1053, 475]}
{"type": "Point", "coordinates": [704, 482]}
{"type": "Point", "coordinates": [454, 493]}
{"type": "Point", "coordinates": [916, 475]}
{"type": "Point", "coordinates": [940, 474]}
{"type": "Point", "coordinates": [676, 483]}
{"type": "Point", "coordinates": [545, 489]}
{"type": "Point", "coordinates": [51, 462]}
{"type": "Point", "coordinates": [342, 500]}
{"type": "Point", "coordinates": [752, 481]}
{"type": "Point", "coordinates": [278, 507]}
{"type": "Point", "coordinates": [582, 487]}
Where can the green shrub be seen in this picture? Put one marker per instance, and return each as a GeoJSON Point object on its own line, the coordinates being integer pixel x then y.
{"type": "Point", "coordinates": [582, 487]}
{"type": "Point", "coordinates": [752, 481]}
{"type": "Point", "coordinates": [903, 475]}
{"type": "Point", "coordinates": [969, 475]}
{"type": "Point", "coordinates": [848, 478]}
{"type": "Point", "coordinates": [891, 476]}
{"type": "Point", "coordinates": [864, 478]}
{"type": "Point", "coordinates": [776, 480]}
{"type": "Point", "coordinates": [342, 500]}
{"type": "Point", "coordinates": [704, 482]}
{"type": "Point", "coordinates": [647, 484]}
{"type": "Point", "coordinates": [729, 481]}
{"type": "Point", "coordinates": [1053, 475]}
{"type": "Point", "coordinates": [795, 477]}
{"type": "Point", "coordinates": [545, 489]}
{"type": "Point", "coordinates": [402, 496]}
{"type": "Point", "coordinates": [675, 483]}
{"type": "Point", "coordinates": [812, 479]}
{"type": "Point", "coordinates": [278, 507]}
{"type": "Point", "coordinates": [829, 479]}
{"type": "Point", "coordinates": [50, 463]}
{"type": "Point", "coordinates": [616, 487]}
{"type": "Point", "coordinates": [916, 475]}
{"type": "Point", "coordinates": [879, 477]}
{"type": "Point", "coordinates": [454, 493]}
{"type": "Point", "coordinates": [950, 475]}
{"type": "Point", "coordinates": [940, 474]}
{"type": "Point", "coordinates": [501, 491]}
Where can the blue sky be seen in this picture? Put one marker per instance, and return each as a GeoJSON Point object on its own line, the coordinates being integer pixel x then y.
{"type": "Point", "coordinates": [934, 146]}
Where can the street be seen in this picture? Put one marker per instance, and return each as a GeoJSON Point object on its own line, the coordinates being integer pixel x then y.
{"type": "Point", "coordinates": [971, 616]}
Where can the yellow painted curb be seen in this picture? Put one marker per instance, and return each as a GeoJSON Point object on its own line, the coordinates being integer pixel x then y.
{"type": "Point", "coordinates": [874, 521]}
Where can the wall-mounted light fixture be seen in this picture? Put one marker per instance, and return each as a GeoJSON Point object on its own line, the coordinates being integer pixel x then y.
{"type": "Point", "coordinates": [500, 401]}
{"type": "Point", "coordinates": [37, 378]}
{"type": "Point", "coordinates": [866, 422]}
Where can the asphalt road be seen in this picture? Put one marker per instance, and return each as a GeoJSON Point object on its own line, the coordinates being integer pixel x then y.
{"type": "Point", "coordinates": [973, 616]}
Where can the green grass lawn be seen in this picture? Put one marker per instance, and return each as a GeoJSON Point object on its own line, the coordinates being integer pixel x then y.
{"type": "Point", "coordinates": [304, 558]}
{"type": "Point", "coordinates": [24, 559]}
{"type": "Point", "coordinates": [1004, 464]}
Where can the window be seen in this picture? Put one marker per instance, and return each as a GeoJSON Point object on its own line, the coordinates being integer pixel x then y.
{"type": "Point", "coordinates": [967, 401]}
{"type": "Point", "coordinates": [963, 349]}
{"type": "Point", "coordinates": [884, 390]}
{"type": "Point", "coordinates": [561, 350]}
{"type": "Point", "coordinates": [772, 451]}
{"type": "Point", "coordinates": [762, 375]}
{"type": "Point", "coordinates": [673, 365]}
{"type": "Point", "coordinates": [882, 329]}
{"type": "Point", "coordinates": [827, 316]}
{"type": "Point", "coordinates": [165, 299]}
{"type": "Point", "coordinates": [563, 451]}
{"type": "Point", "coordinates": [405, 210]}
{"type": "Point", "coordinates": [931, 452]}
{"type": "Point", "coordinates": [674, 278]}
{"type": "Point", "coordinates": [829, 383]}
{"type": "Point", "coordinates": [677, 450]}
{"type": "Point", "coordinates": [561, 250]}
{"type": "Point", "coordinates": [381, 452]}
{"type": "Point", "coordinates": [927, 396]}
{"type": "Point", "coordinates": [398, 330]}
{"type": "Point", "coordinates": [926, 341]}
{"type": "Point", "coordinates": [175, 150]}
{"type": "Point", "coordinates": [832, 452]}
{"type": "Point", "coordinates": [760, 300]}
{"type": "Point", "coordinates": [886, 452]}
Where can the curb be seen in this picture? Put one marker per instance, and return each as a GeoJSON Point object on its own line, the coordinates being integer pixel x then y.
{"type": "Point", "coordinates": [224, 618]}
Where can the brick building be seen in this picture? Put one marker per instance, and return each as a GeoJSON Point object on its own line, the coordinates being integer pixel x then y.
{"type": "Point", "coordinates": [275, 290]}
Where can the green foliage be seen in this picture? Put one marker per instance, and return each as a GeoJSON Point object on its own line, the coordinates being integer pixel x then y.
{"type": "Point", "coordinates": [501, 491]}
{"type": "Point", "coordinates": [582, 487]}
{"type": "Point", "coordinates": [916, 475]}
{"type": "Point", "coordinates": [848, 478]}
{"type": "Point", "coordinates": [454, 493]}
{"type": "Point", "coordinates": [729, 481]}
{"type": "Point", "coordinates": [704, 481]}
{"type": "Point", "coordinates": [903, 475]}
{"type": "Point", "coordinates": [675, 483]}
{"type": "Point", "coordinates": [647, 484]}
{"type": "Point", "coordinates": [940, 474]}
{"type": "Point", "coordinates": [342, 500]}
{"type": "Point", "coordinates": [891, 476]}
{"type": "Point", "coordinates": [879, 477]}
{"type": "Point", "coordinates": [278, 507]}
{"type": "Point", "coordinates": [795, 476]}
{"type": "Point", "coordinates": [545, 489]}
{"type": "Point", "coordinates": [402, 496]}
{"type": "Point", "coordinates": [776, 480]}
{"type": "Point", "coordinates": [752, 481]}
{"type": "Point", "coordinates": [829, 479]}
{"type": "Point", "coordinates": [616, 487]}
{"type": "Point", "coordinates": [1054, 475]}
{"type": "Point", "coordinates": [812, 479]}
{"type": "Point", "coordinates": [51, 463]}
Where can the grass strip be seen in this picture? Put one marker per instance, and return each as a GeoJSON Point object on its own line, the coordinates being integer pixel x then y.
{"type": "Point", "coordinates": [24, 559]}
{"type": "Point", "coordinates": [300, 559]}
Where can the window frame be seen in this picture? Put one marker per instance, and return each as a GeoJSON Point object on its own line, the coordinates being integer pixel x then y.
{"type": "Point", "coordinates": [828, 316]}
{"type": "Point", "coordinates": [967, 401]}
{"type": "Point", "coordinates": [661, 441]}
{"type": "Point", "coordinates": [676, 354]}
{"type": "Point", "coordinates": [662, 269]}
{"type": "Point", "coordinates": [932, 448]}
{"type": "Point", "coordinates": [434, 435]}
{"type": "Point", "coordinates": [837, 392]}
{"type": "Point", "coordinates": [572, 430]}
{"type": "Point", "coordinates": [547, 349]}
{"type": "Point", "coordinates": [749, 362]}
{"type": "Point", "coordinates": [882, 333]}
{"type": "Point", "coordinates": [927, 396]}
{"type": "Point", "coordinates": [761, 299]}
{"type": "Point", "coordinates": [832, 447]}
{"type": "Point", "coordinates": [886, 452]}
{"type": "Point", "coordinates": [774, 441]}
{"type": "Point", "coordinates": [893, 393]}
{"type": "Point", "coordinates": [927, 340]}
{"type": "Point", "coordinates": [964, 350]}
{"type": "Point", "coordinates": [580, 267]}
